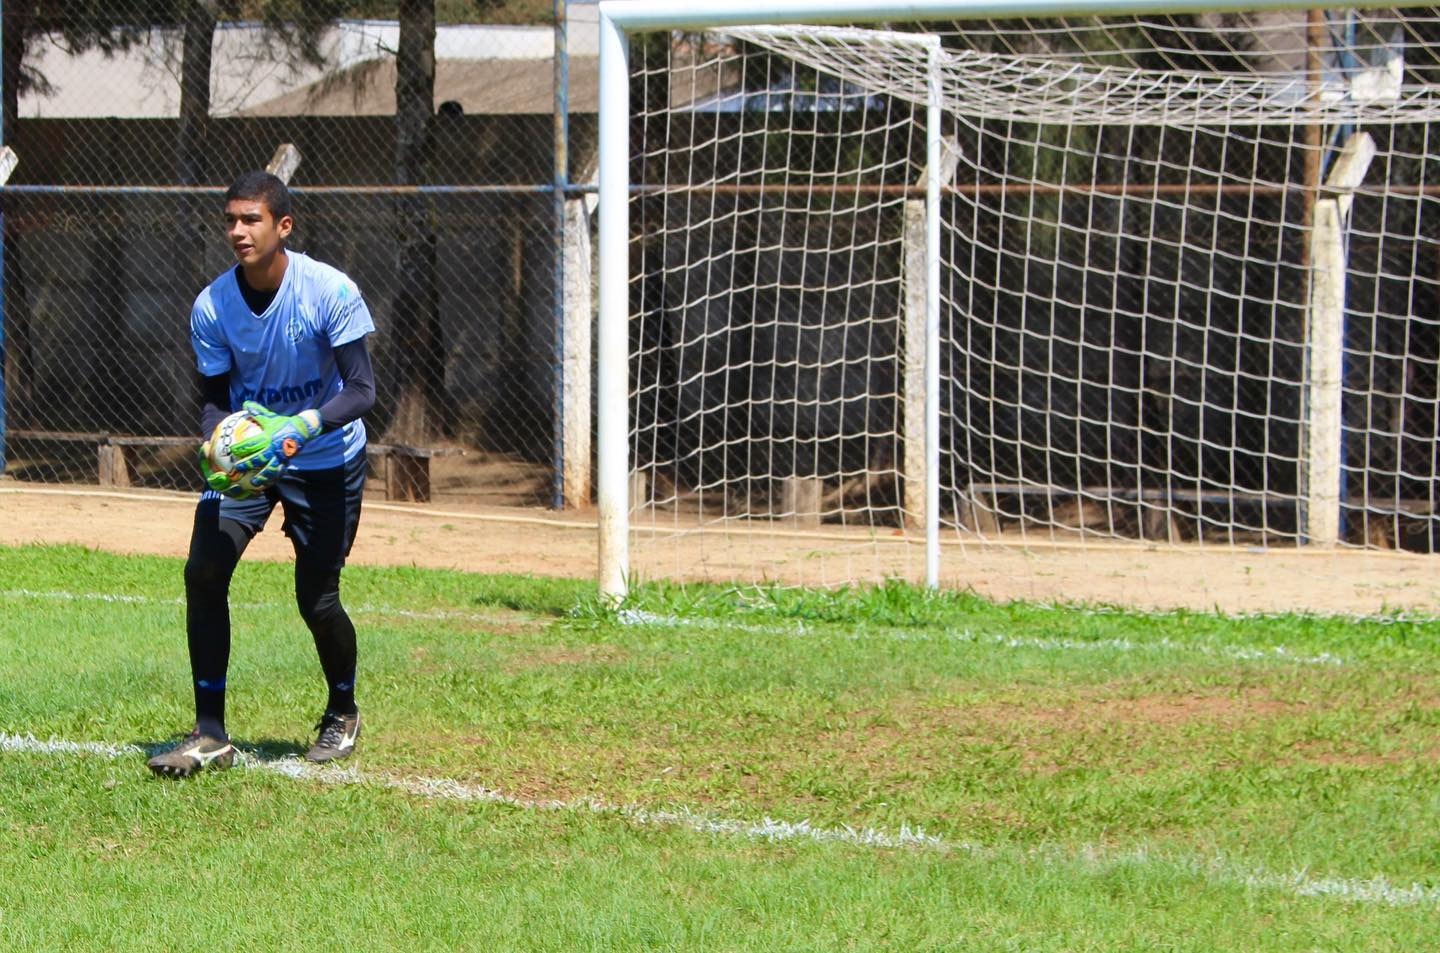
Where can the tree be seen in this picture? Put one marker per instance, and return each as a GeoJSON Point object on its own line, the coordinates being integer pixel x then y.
{"type": "Point", "coordinates": [417, 350]}
{"type": "Point", "coordinates": [197, 42]}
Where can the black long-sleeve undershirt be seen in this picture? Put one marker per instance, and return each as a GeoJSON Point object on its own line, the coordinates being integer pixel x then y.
{"type": "Point", "coordinates": [352, 360]}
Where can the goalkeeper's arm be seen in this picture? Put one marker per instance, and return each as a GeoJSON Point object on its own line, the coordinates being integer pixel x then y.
{"type": "Point", "coordinates": [282, 437]}
{"type": "Point", "coordinates": [354, 401]}
{"type": "Point", "coordinates": [356, 398]}
{"type": "Point", "coordinates": [214, 402]}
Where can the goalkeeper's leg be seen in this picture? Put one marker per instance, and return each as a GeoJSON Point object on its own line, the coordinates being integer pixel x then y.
{"type": "Point", "coordinates": [317, 592]}
{"type": "Point", "coordinates": [216, 544]}
{"type": "Point", "coordinates": [322, 515]}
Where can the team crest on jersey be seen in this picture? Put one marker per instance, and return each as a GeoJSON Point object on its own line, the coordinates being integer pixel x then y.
{"type": "Point", "coordinates": [295, 330]}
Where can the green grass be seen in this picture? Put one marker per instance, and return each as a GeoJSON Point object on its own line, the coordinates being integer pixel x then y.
{"type": "Point", "coordinates": [1086, 778]}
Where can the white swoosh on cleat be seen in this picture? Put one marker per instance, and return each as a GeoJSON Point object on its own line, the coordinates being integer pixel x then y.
{"type": "Point", "coordinates": [205, 757]}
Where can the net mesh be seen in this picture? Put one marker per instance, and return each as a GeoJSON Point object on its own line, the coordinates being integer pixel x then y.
{"type": "Point", "coordinates": [1129, 302]}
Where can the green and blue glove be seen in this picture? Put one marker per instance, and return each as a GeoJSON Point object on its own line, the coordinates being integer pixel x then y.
{"type": "Point", "coordinates": [263, 456]}
{"type": "Point", "coordinates": [219, 481]}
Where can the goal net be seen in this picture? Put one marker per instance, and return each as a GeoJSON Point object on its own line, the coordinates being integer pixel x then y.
{"type": "Point", "coordinates": [1188, 290]}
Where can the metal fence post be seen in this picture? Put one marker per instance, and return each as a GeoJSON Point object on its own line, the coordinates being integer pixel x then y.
{"type": "Point", "coordinates": [2, 264]}
{"type": "Point", "coordinates": [560, 182]}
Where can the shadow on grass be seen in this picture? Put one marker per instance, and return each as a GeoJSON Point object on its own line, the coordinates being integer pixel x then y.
{"type": "Point", "coordinates": [265, 749]}
{"type": "Point", "coordinates": [272, 749]}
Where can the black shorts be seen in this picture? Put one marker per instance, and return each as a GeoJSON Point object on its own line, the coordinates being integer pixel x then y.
{"type": "Point", "coordinates": [322, 511]}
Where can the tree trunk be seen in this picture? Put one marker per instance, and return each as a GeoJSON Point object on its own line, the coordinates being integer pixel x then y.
{"type": "Point", "coordinates": [18, 349]}
{"type": "Point", "coordinates": [192, 137]}
{"type": "Point", "coordinates": [417, 349]}
{"type": "Point", "coordinates": [195, 214]}
{"type": "Point", "coordinates": [195, 52]}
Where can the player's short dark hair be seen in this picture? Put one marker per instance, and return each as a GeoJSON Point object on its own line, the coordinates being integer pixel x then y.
{"type": "Point", "coordinates": [259, 186]}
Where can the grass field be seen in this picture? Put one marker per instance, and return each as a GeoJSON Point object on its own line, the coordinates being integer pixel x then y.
{"type": "Point", "coordinates": [714, 770]}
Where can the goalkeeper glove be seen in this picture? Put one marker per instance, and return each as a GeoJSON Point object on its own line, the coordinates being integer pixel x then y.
{"type": "Point", "coordinates": [219, 481]}
{"type": "Point", "coordinates": [279, 440]}
{"type": "Point", "coordinates": [256, 472]}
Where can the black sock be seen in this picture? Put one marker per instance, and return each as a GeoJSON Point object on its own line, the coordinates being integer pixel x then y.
{"type": "Point", "coordinates": [342, 697]}
{"type": "Point", "coordinates": [210, 708]}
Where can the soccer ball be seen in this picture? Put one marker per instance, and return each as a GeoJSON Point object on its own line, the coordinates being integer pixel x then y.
{"type": "Point", "coordinates": [228, 433]}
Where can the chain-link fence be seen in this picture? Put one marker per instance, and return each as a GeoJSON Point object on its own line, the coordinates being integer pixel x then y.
{"type": "Point", "coordinates": [450, 225]}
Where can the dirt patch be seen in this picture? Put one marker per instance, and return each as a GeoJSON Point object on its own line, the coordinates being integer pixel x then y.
{"type": "Point", "coordinates": [905, 722]}
{"type": "Point", "coordinates": [536, 541]}
{"type": "Point", "coordinates": [1153, 711]}
{"type": "Point", "coordinates": [1331, 754]}
{"type": "Point", "coordinates": [555, 656]}
{"type": "Point", "coordinates": [490, 623]}
{"type": "Point", "coordinates": [907, 738]}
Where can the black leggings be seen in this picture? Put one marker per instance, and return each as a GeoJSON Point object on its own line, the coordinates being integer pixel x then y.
{"type": "Point", "coordinates": [322, 514]}
{"type": "Point", "coordinates": [215, 550]}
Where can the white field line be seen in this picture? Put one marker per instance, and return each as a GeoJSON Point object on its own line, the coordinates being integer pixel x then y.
{"type": "Point", "coordinates": [765, 829]}
{"type": "Point", "coordinates": [1367, 890]}
{"type": "Point", "coordinates": [1234, 653]}
{"type": "Point", "coordinates": [447, 789]}
{"type": "Point", "coordinates": [638, 617]}
{"type": "Point", "coordinates": [1237, 653]}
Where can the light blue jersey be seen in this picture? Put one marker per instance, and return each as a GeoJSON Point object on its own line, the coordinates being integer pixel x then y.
{"type": "Point", "coordinates": [284, 358]}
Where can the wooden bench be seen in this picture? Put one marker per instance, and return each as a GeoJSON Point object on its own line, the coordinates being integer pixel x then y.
{"type": "Point", "coordinates": [113, 464]}
{"type": "Point", "coordinates": [406, 469]}
{"type": "Point", "coordinates": [117, 465]}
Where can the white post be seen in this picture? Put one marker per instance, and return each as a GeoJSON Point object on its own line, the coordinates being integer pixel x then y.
{"type": "Point", "coordinates": [700, 14]}
{"type": "Point", "coordinates": [612, 330]}
{"type": "Point", "coordinates": [801, 499]}
{"type": "Point", "coordinates": [579, 314]}
{"type": "Point", "coordinates": [934, 169]}
{"type": "Point", "coordinates": [920, 250]}
{"type": "Point", "coordinates": [1324, 335]}
{"type": "Point", "coordinates": [1325, 343]}
{"type": "Point", "coordinates": [917, 315]}
{"type": "Point", "coordinates": [284, 162]}
{"type": "Point", "coordinates": [8, 161]}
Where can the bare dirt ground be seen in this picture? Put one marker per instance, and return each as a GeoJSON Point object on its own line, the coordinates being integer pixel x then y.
{"type": "Point", "coordinates": [483, 538]}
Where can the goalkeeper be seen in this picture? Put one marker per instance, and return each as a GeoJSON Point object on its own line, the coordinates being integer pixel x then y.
{"type": "Point", "coordinates": [282, 336]}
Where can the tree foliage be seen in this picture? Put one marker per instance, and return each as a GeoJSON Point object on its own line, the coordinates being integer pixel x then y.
{"type": "Point", "coordinates": [82, 25]}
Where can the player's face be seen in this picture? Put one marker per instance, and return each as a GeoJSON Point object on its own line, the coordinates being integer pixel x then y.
{"type": "Point", "coordinates": [254, 233]}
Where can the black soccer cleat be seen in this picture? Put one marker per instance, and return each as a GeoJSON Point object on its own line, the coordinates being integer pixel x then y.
{"type": "Point", "coordinates": [338, 734]}
{"type": "Point", "coordinates": [196, 753]}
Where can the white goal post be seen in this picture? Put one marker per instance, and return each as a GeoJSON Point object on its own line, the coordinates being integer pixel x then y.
{"type": "Point", "coordinates": [1038, 441]}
